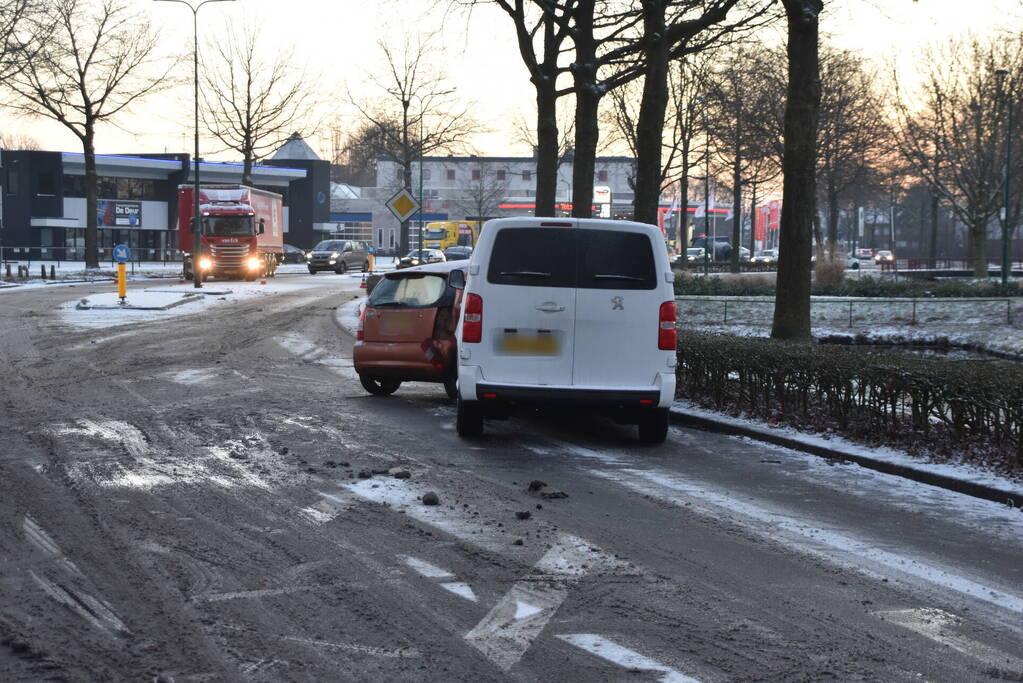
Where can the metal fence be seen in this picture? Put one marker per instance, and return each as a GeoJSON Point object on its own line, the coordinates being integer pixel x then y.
{"type": "Point", "coordinates": [848, 312]}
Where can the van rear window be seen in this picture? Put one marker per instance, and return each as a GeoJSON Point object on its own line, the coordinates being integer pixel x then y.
{"type": "Point", "coordinates": [536, 257]}
{"type": "Point", "coordinates": [565, 257]}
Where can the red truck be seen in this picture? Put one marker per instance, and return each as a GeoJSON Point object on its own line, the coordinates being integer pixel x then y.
{"type": "Point", "coordinates": [242, 231]}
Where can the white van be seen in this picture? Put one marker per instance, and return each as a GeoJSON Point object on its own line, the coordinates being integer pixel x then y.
{"type": "Point", "coordinates": [568, 311]}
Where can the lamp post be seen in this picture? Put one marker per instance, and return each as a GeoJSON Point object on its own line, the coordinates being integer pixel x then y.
{"type": "Point", "coordinates": [1006, 263]}
{"type": "Point", "coordinates": [196, 224]}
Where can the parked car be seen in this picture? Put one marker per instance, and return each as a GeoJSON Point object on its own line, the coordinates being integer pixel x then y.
{"type": "Point", "coordinates": [884, 256]}
{"type": "Point", "coordinates": [412, 259]}
{"type": "Point", "coordinates": [765, 256]}
{"type": "Point", "coordinates": [865, 254]}
{"type": "Point", "coordinates": [339, 256]}
{"type": "Point", "coordinates": [407, 328]}
{"type": "Point", "coordinates": [293, 254]}
{"type": "Point", "coordinates": [569, 312]}
{"type": "Point", "coordinates": [457, 253]}
{"type": "Point", "coordinates": [695, 254]}
{"type": "Point", "coordinates": [744, 254]}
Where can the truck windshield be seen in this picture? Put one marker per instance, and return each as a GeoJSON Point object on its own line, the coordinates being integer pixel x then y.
{"type": "Point", "coordinates": [227, 225]}
{"type": "Point", "coordinates": [436, 233]}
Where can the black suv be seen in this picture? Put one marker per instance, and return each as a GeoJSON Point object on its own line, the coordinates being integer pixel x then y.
{"type": "Point", "coordinates": [339, 256]}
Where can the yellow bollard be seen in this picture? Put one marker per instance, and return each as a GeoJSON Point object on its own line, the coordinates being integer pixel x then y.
{"type": "Point", "coordinates": [371, 263]}
{"type": "Point", "coordinates": [122, 283]}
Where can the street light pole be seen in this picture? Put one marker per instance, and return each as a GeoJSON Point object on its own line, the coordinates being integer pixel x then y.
{"type": "Point", "coordinates": [196, 224]}
{"type": "Point", "coordinates": [1006, 263]}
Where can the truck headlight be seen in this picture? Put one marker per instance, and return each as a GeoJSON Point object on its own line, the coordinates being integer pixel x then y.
{"type": "Point", "coordinates": [254, 262]}
{"type": "Point", "coordinates": [205, 263]}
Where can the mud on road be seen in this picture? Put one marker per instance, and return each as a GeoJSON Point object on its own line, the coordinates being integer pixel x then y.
{"type": "Point", "coordinates": [214, 497]}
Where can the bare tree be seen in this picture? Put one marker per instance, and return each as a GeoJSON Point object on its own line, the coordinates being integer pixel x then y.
{"type": "Point", "coordinates": [98, 61]}
{"type": "Point", "coordinates": [18, 141]}
{"type": "Point", "coordinates": [354, 153]}
{"type": "Point", "coordinates": [542, 28]}
{"type": "Point", "coordinates": [481, 196]}
{"type": "Point", "coordinates": [19, 21]}
{"type": "Point", "coordinates": [802, 102]}
{"type": "Point", "coordinates": [406, 132]}
{"type": "Point", "coordinates": [953, 131]}
{"type": "Point", "coordinates": [252, 99]}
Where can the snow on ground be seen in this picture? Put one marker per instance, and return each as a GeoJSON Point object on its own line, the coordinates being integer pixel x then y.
{"type": "Point", "coordinates": [210, 296]}
{"type": "Point", "coordinates": [992, 325]}
{"type": "Point", "coordinates": [960, 471]}
{"type": "Point", "coordinates": [348, 315]}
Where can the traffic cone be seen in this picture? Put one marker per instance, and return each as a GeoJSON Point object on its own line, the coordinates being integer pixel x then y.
{"type": "Point", "coordinates": [363, 285]}
{"type": "Point", "coordinates": [262, 282]}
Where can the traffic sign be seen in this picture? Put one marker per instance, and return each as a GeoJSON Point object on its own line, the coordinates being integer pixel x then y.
{"type": "Point", "coordinates": [122, 254]}
{"type": "Point", "coordinates": [403, 205]}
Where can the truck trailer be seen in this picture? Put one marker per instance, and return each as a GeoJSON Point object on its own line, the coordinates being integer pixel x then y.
{"type": "Point", "coordinates": [242, 231]}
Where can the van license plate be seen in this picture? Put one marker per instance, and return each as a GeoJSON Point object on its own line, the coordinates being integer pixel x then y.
{"type": "Point", "coordinates": [516, 343]}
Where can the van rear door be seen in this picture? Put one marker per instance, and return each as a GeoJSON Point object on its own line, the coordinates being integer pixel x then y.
{"type": "Point", "coordinates": [529, 306]}
{"type": "Point", "coordinates": [617, 304]}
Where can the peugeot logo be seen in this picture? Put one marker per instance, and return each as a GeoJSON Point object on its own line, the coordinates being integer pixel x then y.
{"type": "Point", "coordinates": [617, 303]}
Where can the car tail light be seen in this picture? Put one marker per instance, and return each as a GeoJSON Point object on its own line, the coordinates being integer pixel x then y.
{"type": "Point", "coordinates": [667, 335]}
{"type": "Point", "coordinates": [360, 333]}
{"type": "Point", "coordinates": [472, 319]}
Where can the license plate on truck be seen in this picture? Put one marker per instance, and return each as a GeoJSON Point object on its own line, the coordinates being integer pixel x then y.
{"type": "Point", "coordinates": [521, 343]}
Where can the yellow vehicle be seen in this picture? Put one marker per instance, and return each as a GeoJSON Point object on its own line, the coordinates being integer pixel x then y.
{"type": "Point", "coordinates": [444, 234]}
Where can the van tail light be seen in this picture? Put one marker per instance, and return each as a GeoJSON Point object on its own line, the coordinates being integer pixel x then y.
{"type": "Point", "coordinates": [667, 335]}
{"type": "Point", "coordinates": [472, 319]}
{"type": "Point", "coordinates": [360, 332]}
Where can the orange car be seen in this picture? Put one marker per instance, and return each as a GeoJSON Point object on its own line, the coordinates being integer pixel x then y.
{"type": "Point", "coordinates": [407, 328]}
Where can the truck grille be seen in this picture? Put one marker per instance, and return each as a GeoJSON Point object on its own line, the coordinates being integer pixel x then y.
{"type": "Point", "coordinates": [223, 253]}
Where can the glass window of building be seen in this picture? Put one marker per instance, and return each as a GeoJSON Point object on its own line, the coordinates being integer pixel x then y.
{"type": "Point", "coordinates": [501, 174]}
{"type": "Point", "coordinates": [450, 174]}
{"type": "Point", "coordinates": [602, 176]}
{"type": "Point", "coordinates": [527, 176]}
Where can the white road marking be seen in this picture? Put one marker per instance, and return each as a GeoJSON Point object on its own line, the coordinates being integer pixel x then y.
{"type": "Point", "coordinates": [829, 545]}
{"type": "Point", "coordinates": [937, 625]}
{"type": "Point", "coordinates": [510, 628]}
{"type": "Point", "coordinates": [316, 516]}
{"type": "Point", "coordinates": [426, 569]}
{"type": "Point", "coordinates": [35, 535]}
{"type": "Point", "coordinates": [355, 647]}
{"type": "Point", "coordinates": [193, 376]}
{"type": "Point", "coordinates": [258, 593]}
{"type": "Point", "coordinates": [460, 589]}
{"type": "Point", "coordinates": [624, 657]}
{"type": "Point", "coordinates": [501, 636]}
{"type": "Point", "coordinates": [96, 612]}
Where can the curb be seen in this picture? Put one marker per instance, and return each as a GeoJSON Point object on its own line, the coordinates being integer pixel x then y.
{"type": "Point", "coordinates": [969, 488]}
{"type": "Point", "coordinates": [188, 298]}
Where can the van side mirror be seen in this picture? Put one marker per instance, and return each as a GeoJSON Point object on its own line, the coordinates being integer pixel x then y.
{"type": "Point", "coordinates": [262, 225]}
{"type": "Point", "coordinates": [456, 278]}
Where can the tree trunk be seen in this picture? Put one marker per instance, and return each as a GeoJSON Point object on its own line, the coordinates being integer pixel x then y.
{"type": "Point", "coordinates": [650, 127]}
{"type": "Point", "coordinates": [247, 168]}
{"type": "Point", "coordinates": [736, 209]}
{"type": "Point", "coordinates": [792, 295]}
{"type": "Point", "coordinates": [546, 149]}
{"type": "Point", "coordinates": [587, 101]}
{"type": "Point", "coordinates": [91, 231]}
{"type": "Point", "coordinates": [753, 220]}
{"type": "Point", "coordinates": [978, 242]}
{"type": "Point", "coordinates": [935, 210]}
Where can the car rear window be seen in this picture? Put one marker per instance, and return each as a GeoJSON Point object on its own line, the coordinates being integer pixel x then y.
{"type": "Point", "coordinates": [560, 257]}
{"type": "Point", "coordinates": [407, 291]}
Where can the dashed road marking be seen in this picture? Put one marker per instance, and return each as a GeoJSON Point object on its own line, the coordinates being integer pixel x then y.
{"type": "Point", "coordinates": [43, 542]}
{"type": "Point", "coordinates": [426, 569]}
{"type": "Point", "coordinates": [624, 657]}
{"type": "Point", "coordinates": [938, 625]}
{"type": "Point", "coordinates": [356, 647]}
{"type": "Point", "coordinates": [95, 611]}
{"type": "Point", "coordinates": [461, 589]}
{"type": "Point", "coordinates": [257, 593]}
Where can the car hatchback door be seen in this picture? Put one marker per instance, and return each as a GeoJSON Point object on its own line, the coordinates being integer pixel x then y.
{"type": "Point", "coordinates": [529, 306]}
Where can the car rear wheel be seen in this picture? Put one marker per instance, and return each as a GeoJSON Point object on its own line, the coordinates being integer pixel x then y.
{"type": "Point", "coordinates": [451, 387]}
{"type": "Point", "coordinates": [469, 418]}
{"type": "Point", "coordinates": [312, 271]}
{"type": "Point", "coordinates": [379, 386]}
{"type": "Point", "coordinates": [653, 426]}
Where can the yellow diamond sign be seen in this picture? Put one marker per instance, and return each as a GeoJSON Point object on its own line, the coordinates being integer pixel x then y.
{"type": "Point", "coordinates": [403, 205]}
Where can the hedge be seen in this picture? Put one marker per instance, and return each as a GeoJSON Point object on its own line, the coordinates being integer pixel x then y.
{"type": "Point", "coordinates": [962, 407]}
{"type": "Point", "coordinates": [852, 286]}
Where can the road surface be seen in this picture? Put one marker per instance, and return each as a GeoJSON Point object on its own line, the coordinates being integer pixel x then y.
{"type": "Point", "coordinates": [212, 497]}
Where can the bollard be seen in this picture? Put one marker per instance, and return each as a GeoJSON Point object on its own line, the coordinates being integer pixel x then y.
{"type": "Point", "coordinates": [8, 271]}
{"type": "Point", "coordinates": [42, 271]}
{"type": "Point", "coordinates": [53, 272]}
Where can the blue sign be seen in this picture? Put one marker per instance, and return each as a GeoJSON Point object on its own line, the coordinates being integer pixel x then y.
{"type": "Point", "coordinates": [122, 254]}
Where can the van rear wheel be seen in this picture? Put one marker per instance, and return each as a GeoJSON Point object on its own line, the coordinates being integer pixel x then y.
{"type": "Point", "coordinates": [379, 386]}
{"type": "Point", "coordinates": [469, 418]}
{"type": "Point", "coordinates": [653, 426]}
